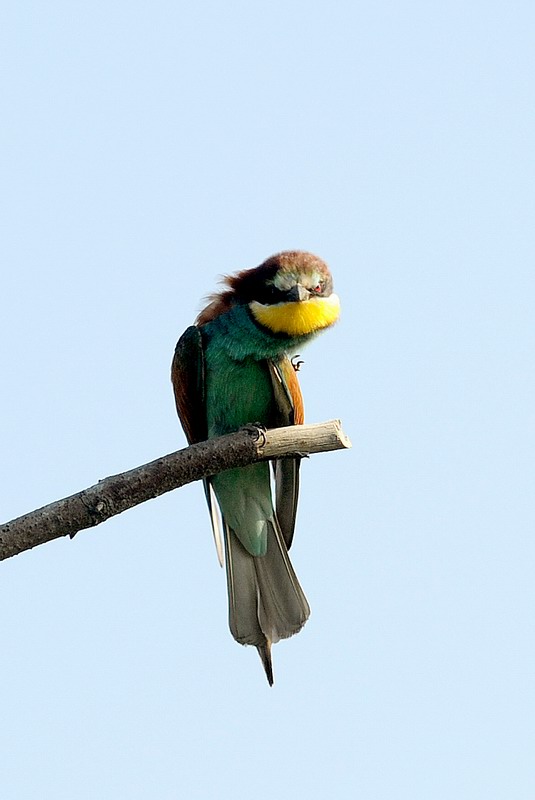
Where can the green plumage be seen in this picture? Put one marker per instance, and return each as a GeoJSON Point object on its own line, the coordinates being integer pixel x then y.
{"type": "Point", "coordinates": [239, 390]}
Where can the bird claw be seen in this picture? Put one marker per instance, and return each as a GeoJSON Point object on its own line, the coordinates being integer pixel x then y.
{"type": "Point", "coordinates": [296, 364]}
{"type": "Point", "coordinates": [256, 428]}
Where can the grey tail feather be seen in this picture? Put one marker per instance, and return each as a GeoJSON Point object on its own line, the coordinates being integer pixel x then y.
{"type": "Point", "coordinates": [266, 602]}
{"type": "Point", "coordinates": [214, 518]}
{"type": "Point", "coordinates": [264, 651]}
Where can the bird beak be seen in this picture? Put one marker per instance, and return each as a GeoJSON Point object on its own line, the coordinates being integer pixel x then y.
{"type": "Point", "coordinates": [298, 293]}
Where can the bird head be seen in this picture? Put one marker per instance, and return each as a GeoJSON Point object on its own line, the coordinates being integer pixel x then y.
{"type": "Point", "coordinates": [290, 293]}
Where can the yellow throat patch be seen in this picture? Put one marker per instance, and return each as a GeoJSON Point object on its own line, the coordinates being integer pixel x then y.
{"type": "Point", "coordinates": [298, 318]}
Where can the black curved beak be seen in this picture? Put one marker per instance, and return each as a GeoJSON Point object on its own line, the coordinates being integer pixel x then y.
{"type": "Point", "coordinates": [297, 293]}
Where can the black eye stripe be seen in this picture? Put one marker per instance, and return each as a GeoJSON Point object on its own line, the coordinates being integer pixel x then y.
{"type": "Point", "coordinates": [261, 287]}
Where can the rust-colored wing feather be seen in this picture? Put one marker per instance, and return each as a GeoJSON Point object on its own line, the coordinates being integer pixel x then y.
{"type": "Point", "coordinates": [187, 375]}
{"type": "Point", "coordinates": [292, 384]}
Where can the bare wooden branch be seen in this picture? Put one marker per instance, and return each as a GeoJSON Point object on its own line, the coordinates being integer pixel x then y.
{"type": "Point", "coordinates": [304, 439]}
{"type": "Point", "coordinates": [117, 493]}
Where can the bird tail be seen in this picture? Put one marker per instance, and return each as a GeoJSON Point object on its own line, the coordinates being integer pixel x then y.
{"type": "Point", "coordinates": [266, 602]}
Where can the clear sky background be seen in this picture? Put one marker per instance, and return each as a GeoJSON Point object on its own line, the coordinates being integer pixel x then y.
{"type": "Point", "coordinates": [146, 149]}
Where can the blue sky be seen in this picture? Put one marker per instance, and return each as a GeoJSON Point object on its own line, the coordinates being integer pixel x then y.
{"type": "Point", "coordinates": [148, 148]}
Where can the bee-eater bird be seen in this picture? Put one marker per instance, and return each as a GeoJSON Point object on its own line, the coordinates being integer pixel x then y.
{"type": "Point", "coordinates": [232, 368]}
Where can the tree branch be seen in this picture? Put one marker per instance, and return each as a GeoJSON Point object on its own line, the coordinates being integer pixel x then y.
{"type": "Point", "coordinates": [117, 493]}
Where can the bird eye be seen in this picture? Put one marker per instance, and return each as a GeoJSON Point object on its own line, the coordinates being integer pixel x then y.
{"type": "Point", "coordinates": [318, 288]}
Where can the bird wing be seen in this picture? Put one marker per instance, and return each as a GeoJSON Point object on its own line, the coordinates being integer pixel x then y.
{"type": "Point", "coordinates": [289, 410]}
{"type": "Point", "coordinates": [187, 376]}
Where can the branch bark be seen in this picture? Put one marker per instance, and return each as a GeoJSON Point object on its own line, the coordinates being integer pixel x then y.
{"type": "Point", "coordinates": [117, 493]}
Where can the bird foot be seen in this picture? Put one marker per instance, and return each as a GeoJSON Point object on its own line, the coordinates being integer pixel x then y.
{"type": "Point", "coordinates": [258, 429]}
{"type": "Point", "coordinates": [253, 426]}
